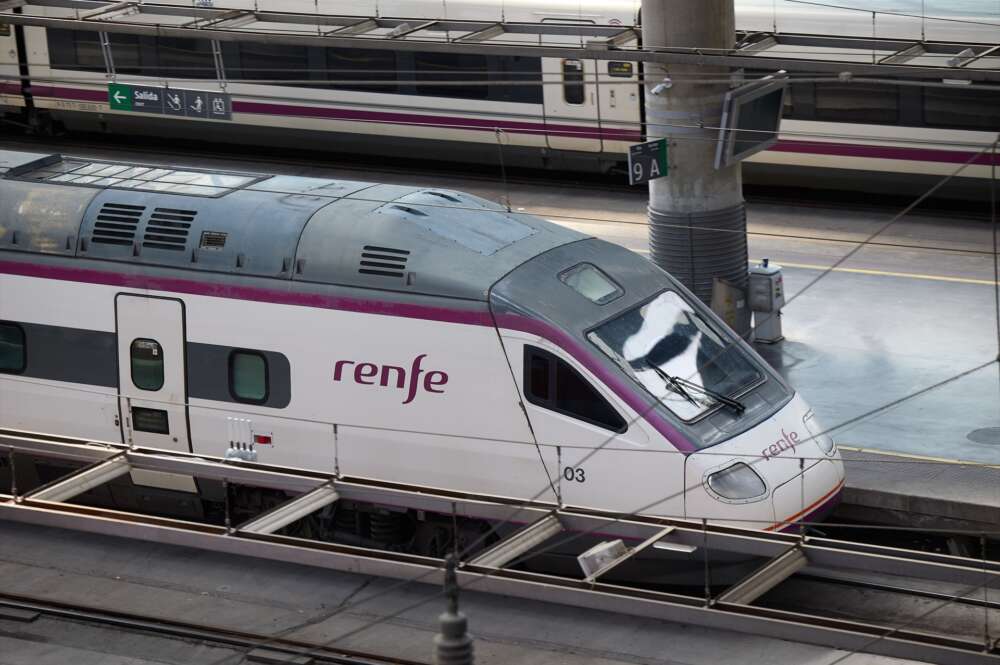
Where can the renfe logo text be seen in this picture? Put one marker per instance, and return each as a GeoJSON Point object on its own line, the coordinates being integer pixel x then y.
{"type": "Point", "coordinates": [391, 376]}
{"type": "Point", "coordinates": [786, 442]}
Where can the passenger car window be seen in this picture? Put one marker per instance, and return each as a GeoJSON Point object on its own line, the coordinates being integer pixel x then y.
{"type": "Point", "coordinates": [147, 364]}
{"type": "Point", "coordinates": [572, 81]}
{"type": "Point", "coordinates": [552, 384]}
{"type": "Point", "coordinates": [248, 376]}
{"type": "Point", "coordinates": [12, 356]}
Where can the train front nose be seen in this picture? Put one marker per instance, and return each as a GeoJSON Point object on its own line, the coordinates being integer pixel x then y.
{"type": "Point", "coordinates": [814, 491]}
{"type": "Point", "coordinates": [784, 471]}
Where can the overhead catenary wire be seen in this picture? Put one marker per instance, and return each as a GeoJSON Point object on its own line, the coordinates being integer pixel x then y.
{"type": "Point", "coordinates": [590, 454]}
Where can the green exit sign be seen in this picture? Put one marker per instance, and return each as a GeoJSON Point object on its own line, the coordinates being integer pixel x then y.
{"type": "Point", "coordinates": [120, 97]}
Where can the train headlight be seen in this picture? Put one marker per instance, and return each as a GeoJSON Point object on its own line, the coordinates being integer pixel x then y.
{"type": "Point", "coordinates": [818, 434]}
{"type": "Point", "coordinates": [737, 482]}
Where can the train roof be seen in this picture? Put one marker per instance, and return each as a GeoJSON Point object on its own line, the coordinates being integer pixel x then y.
{"type": "Point", "coordinates": [422, 240]}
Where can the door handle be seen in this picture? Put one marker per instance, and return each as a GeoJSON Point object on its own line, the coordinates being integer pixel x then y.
{"type": "Point", "coordinates": [613, 102]}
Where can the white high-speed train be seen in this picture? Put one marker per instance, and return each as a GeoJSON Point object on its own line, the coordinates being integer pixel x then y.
{"type": "Point", "coordinates": [584, 117]}
{"type": "Point", "coordinates": [422, 336]}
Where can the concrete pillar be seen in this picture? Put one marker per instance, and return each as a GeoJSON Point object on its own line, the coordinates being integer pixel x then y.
{"type": "Point", "coordinates": [697, 214]}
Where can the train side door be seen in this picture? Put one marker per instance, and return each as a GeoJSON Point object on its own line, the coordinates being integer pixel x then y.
{"type": "Point", "coordinates": [152, 386]}
{"type": "Point", "coordinates": [618, 92]}
{"type": "Point", "coordinates": [572, 115]}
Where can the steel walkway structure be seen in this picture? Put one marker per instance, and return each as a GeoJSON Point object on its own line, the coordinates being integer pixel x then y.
{"type": "Point", "coordinates": [794, 53]}
{"type": "Point", "coordinates": [783, 555]}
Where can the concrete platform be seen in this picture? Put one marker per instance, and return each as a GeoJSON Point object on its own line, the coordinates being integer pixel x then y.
{"type": "Point", "coordinates": [361, 613]}
{"type": "Point", "coordinates": [922, 493]}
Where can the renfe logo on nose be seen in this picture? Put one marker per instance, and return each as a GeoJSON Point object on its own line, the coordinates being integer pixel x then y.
{"type": "Point", "coordinates": [786, 442]}
{"type": "Point", "coordinates": [385, 376]}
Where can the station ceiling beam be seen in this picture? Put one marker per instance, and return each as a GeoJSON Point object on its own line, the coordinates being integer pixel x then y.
{"type": "Point", "coordinates": [812, 54]}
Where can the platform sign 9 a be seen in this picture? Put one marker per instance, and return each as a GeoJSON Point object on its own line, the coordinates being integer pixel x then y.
{"type": "Point", "coordinates": [647, 161]}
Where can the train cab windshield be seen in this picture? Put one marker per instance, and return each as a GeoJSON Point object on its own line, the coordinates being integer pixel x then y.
{"type": "Point", "coordinates": [679, 356]}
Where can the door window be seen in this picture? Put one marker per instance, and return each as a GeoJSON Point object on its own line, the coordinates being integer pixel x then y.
{"type": "Point", "coordinates": [147, 364]}
{"type": "Point", "coordinates": [552, 384]}
{"type": "Point", "coordinates": [12, 357]}
{"type": "Point", "coordinates": [573, 81]}
{"type": "Point", "coordinates": [248, 376]}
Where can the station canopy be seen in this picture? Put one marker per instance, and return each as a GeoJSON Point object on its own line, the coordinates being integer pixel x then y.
{"type": "Point", "coordinates": [246, 22]}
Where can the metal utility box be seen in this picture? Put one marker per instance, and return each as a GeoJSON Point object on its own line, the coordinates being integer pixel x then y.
{"type": "Point", "coordinates": [767, 297]}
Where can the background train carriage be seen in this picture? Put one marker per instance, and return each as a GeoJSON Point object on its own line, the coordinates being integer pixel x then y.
{"type": "Point", "coordinates": [577, 113]}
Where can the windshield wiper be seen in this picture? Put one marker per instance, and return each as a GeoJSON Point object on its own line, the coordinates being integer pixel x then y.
{"type": "Point", "coordinates": [674, 383]}
{"type": "Point", "coordinates": [681, 386]}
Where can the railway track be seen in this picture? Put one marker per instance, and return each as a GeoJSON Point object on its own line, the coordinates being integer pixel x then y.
{"type": "Point", "coordinates": [30, 606]}
{"type": "Point", "coordinates": [778, 557]}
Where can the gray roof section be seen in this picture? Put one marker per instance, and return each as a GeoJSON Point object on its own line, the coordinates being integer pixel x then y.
{"type": "Point", "coordinates": [430, 241]}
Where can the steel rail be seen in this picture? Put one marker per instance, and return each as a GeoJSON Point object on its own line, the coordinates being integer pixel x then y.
{"type": "Point", "coordinates": [829, 577]}
{"type": "Point", "coordinates": [596, 42]}
{"type": "Point", "coordinates": [715, 613]}
{"type": "Point", "coordinates": [196, 631]}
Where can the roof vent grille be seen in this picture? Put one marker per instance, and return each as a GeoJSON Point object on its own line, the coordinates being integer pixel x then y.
{"type": "Point", "coordinates": [383, 261]}
{"type": "Point", "coordinates": [167, 228]}
{"type": "Point", "coordinates": [116, 224]}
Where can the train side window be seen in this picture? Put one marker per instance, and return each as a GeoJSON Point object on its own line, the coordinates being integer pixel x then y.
{"type": "Point", "coordinates": [272, 62]}
{"type": "Point", "coordinates": [130, 57]}
{"type": "Point", "coordinates": [957, 108]}
{"type": "Point", "coordinates": [185, 58]}
{"type": "Point", "coordinates": [147, 364]}
{"type": "Point", "coordinates": [857, 102]}
{"type": "Point", "coordinates": [572, 81]}
{"type": "Point", "coordinates": [248, 380]}
{"type": "Point", "coordinates": [12, 355]}
{"type": "Point", "coordinates": [552, 384]}
{"type": "Point", "coordinates": [75, 50]}
{"type": "Point", "coordinates": [456, 75]}
{"type": "Point", "coordinates": [367, 70]}
{"type": "Point", "coordinates": [516, 78]}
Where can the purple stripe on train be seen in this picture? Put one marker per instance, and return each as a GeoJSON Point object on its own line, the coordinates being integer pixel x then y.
{"type": "Point", "coordinates": [220, 290]}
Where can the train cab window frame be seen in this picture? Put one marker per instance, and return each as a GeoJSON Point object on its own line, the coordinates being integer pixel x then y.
{"type": "Point", "coordinates": [574, 88]}
{"type": "Point", "coordinates": [140, 367]}
{"type": "Point", "coordinates": [553, 384]}
{"type": "Point", "coordinates": [12, 334]}
{"type": "Point", "coordinates": [237, 384]}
